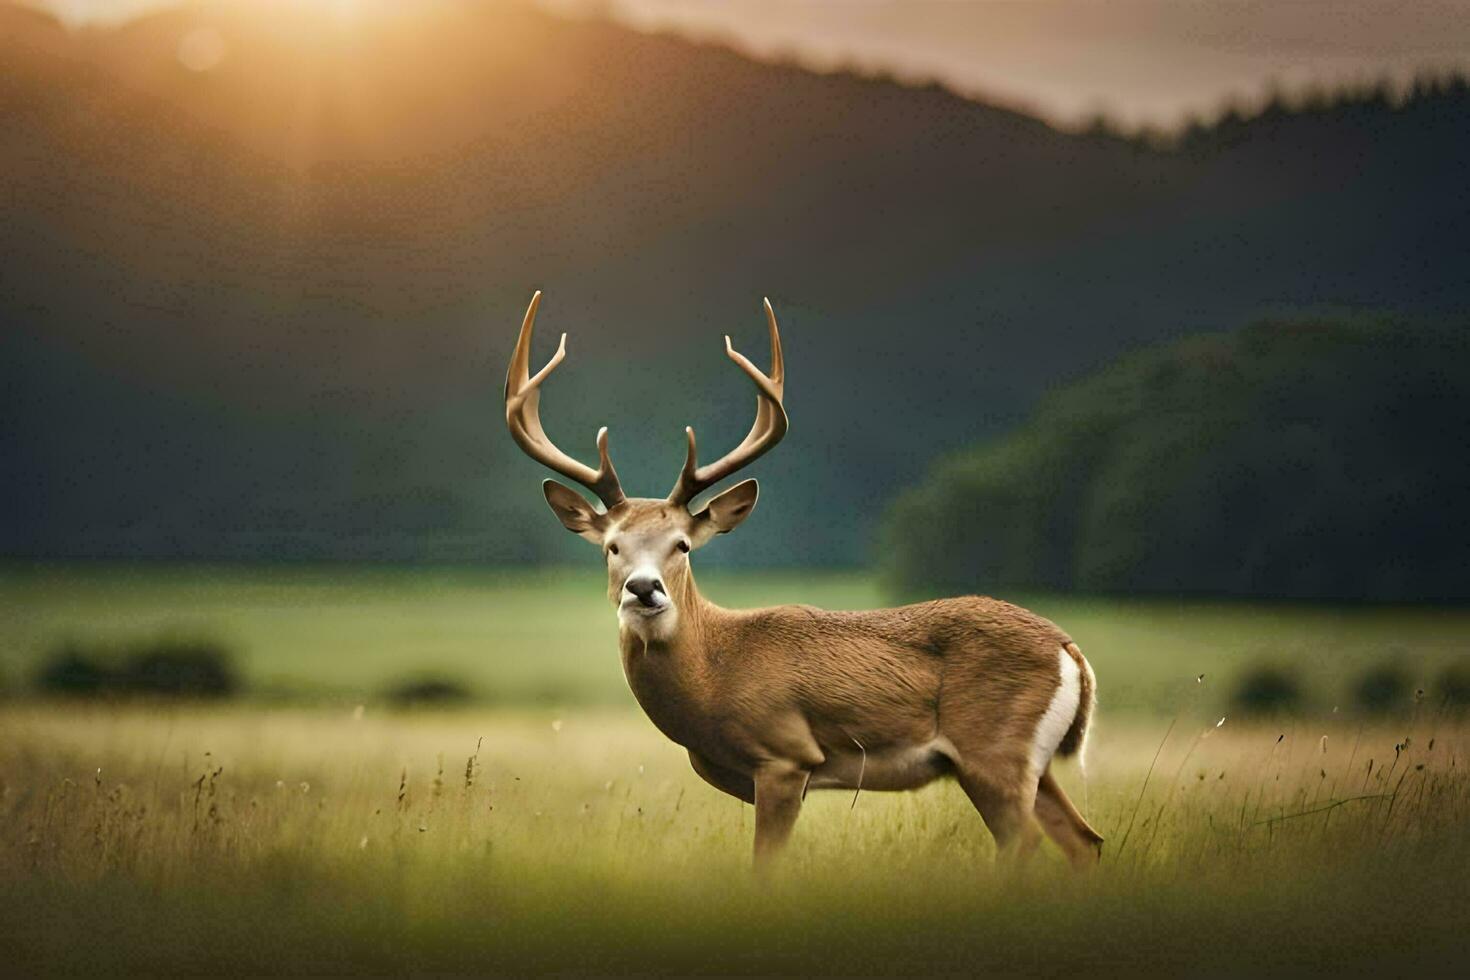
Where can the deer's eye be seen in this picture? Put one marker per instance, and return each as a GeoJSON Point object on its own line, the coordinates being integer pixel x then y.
{"type": "Point", "coordinates": [683, 546]}
{"type": "Point", "coordinates": [612, 549]}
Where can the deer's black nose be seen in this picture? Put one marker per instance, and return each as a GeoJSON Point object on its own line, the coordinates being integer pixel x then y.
{"type": "Point", "coordinates": [643, 587]}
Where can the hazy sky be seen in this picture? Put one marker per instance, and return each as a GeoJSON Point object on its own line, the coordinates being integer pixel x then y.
{"type": "Point", "coordinates": [1141, 60]}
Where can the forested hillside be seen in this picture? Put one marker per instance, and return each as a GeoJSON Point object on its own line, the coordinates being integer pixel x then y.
{"type": "Point", "coordinates": [263, 310]}
{"type": "Point", "coordinates": [1305, 458]}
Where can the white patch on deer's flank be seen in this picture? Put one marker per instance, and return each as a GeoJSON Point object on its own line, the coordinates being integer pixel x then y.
{"type": "Point", "coordinates": [1059, 714]}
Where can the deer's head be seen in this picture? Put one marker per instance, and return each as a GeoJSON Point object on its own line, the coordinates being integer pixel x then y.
{"type": "Point", "coordinates": [645, 542]}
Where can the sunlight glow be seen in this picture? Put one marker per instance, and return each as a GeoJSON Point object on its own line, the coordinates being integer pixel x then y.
{"type": "Point", "coordinates": [201, 49]}
{"type": "Point", "coordinates": [341, 8]}
{"type": "Point", "coordinates": [1141, 61]}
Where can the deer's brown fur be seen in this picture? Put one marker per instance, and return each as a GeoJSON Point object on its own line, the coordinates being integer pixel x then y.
{"type": "Point", "coordinates": [773, 702]}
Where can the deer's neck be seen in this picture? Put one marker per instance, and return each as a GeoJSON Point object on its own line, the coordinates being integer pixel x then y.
{"type": "Point", "coordinates": [670, 676]}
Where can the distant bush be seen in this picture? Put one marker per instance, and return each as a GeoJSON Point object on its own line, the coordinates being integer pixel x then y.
{"type": "Point", "coordinates": [157, 668]}
{"type": "Point", "coordinates": [72, 671]}
{"type": "Point", "coordinates": [181, 669]}
{"type": "Point", "coordinates": [420, 691]}
{"type": "Point", "coordinates": [1453, 688]}
{"type": "Point", "coordinates": [1267, 690]}
{"type": "Point", "coordinates": [1382, 688]}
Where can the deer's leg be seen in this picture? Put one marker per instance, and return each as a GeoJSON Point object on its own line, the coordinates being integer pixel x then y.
{"type": "Point", "coordinates": [1006, 801]}
{"type": "Point", "coordinates": [990, 707]}
{"type": "Point", "coordinates": [725, 780]}
{"type": "Point", "coordinates": [778, 791]}
{"type": "Point", "coordinates": [1065, 826]}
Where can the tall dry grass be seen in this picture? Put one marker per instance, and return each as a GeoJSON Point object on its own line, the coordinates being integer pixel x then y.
{"type": "Point", "coordinates": [194, 839]}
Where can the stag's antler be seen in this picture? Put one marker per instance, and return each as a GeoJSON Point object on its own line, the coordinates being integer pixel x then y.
{"type": "Point", "coordinates": [770, 423]}
{"type": "Point", "coordinates": [522, 415]}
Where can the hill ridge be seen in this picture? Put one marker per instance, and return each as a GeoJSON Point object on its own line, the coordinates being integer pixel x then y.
{"type": "Point", "coordinates": [342, 306]}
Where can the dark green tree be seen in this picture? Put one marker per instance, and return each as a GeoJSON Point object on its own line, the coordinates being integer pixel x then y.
{"type": "Point", "coordinates": [1310, 458]}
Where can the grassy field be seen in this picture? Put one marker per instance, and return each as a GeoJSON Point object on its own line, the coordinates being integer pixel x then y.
{"type": "Point", "coordinates": [551, 828]}
{"type": "Point", "coordinates": [547, 636]}
{"type": "Point", "coordinates": [252, 839]}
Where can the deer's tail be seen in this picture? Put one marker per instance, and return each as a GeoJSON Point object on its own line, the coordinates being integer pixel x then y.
{"type": "Point", "coordinates": [1074, 740]}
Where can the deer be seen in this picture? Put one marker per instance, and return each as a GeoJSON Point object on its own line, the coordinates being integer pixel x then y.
{"type": "Point", "coordinates": [771, 703]}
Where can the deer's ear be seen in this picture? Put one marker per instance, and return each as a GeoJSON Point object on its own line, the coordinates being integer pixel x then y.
{"type": "Point", "coordinates": [725, 512]}
{"type": "Point", "coordinates": [574, 512]}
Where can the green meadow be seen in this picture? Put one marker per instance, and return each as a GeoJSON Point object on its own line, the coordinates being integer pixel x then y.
{"type": "Point", "coordinates": [310, 827]}
{"type": "Point", "coordinates": [548, 636]}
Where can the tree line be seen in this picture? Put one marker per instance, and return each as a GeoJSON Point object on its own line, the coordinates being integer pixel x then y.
{"type": "Point", "coordinates": [1302, 458]}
